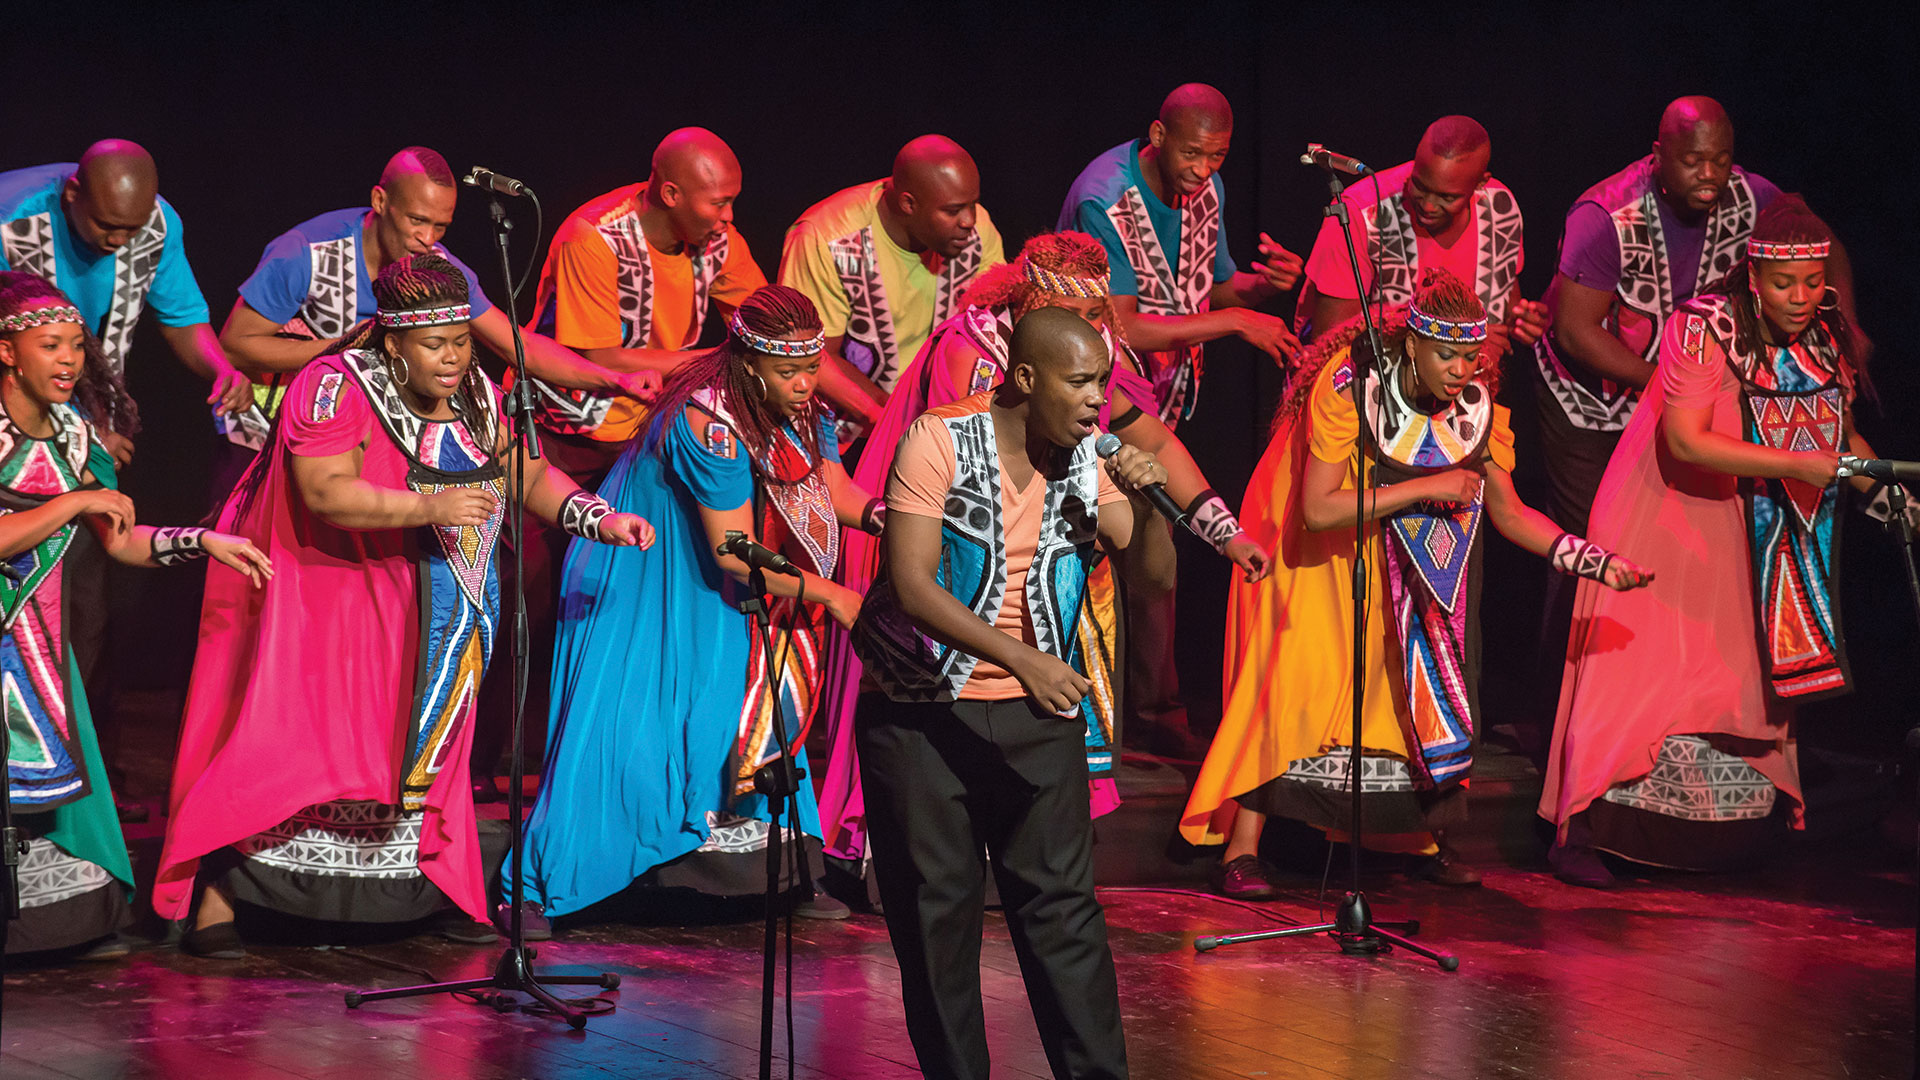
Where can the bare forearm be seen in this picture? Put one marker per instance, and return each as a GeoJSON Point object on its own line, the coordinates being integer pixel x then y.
{"type": "Point", "coordinates": [23, 529]}
{"type": "Point", "coordinates": [851, 393]}
{"type": "Point", "coordinates": [1330, 510]}
{"type": "Point", "coordinates": [1148, 561]}
{"type": "Point", "coordinates": [945, 619]}
{"type": "Point", "coordinates": [664, 361]}
{"type": "Point", "coordinates": [1159, 333]}
{"type": "Point", "coordinates": [1591, 347]}
{"type": "Point", "coordinates": [353, 503]}
{"type": "Point", "coordinates": [1733, 457]}
{"type": "Point", "coordinates": [264, 354]}
{"type": "Point", "coordinates": [198, 347]}
{"type": "Point", "coordinates": [1185, 481]}
{"type": "Point", "coordinates": [553, 362]}
{"type": "Point", "coordinates": [1242, 290]}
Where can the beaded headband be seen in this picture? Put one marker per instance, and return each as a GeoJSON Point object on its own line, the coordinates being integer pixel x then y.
{"type": "Point", "coordinates": [433, 316]}
{"type": "Point", "coordinates": [1445, 330]}
{"type": "Point", "coordinates": [775, 346]}
{"type": "Point", "coordinates": [42, 317]}
{"type": "Point", "coordinates": [1064, 284]}
{"type": "Point", "coordinates": [1768, 249]}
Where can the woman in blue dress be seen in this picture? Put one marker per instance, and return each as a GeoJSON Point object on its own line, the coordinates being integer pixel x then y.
{"type": "Point", "coordinates": [660, 715]}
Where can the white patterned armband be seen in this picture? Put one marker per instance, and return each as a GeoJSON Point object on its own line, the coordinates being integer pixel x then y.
{"type": "Point", "coordinates": [174, 546]}
{"type": "Point", "coordinates": [1209, 519]}
{"type": "Point", "coordinates": [582, 514]}
{"type": "Point", "coordinates": [1579, 558]}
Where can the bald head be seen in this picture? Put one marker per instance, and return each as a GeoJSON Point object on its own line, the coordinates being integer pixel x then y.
{"type": "Point", "coordinates": [694, 157]}
{"type": "Point", "coordinates": [1196, 108]}
{"type": "Point", "coordinates": [934, 193]}
{"type": "Point", "coordinates": [111, 194]}
{"type": "Point", "coordinates": [1454, 137]}
{"type": "Point", "coordinates": [1693, 157]}
{"type": "Point", "coordinates": [1684, 115]}
{"type": "Point", "coordinates": [1050, 338]}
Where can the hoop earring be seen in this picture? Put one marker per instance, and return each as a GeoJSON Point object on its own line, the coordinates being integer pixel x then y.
{"type": "Point", "coordinates": [405, 371]}
{"type": "Point", "coordinates": [1830, 299]}
{"type": "Point", "coordinates": [764, 392]}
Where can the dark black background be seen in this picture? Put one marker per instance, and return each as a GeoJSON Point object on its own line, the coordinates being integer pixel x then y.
{"type": "Point", "coordinates": [263, 115]}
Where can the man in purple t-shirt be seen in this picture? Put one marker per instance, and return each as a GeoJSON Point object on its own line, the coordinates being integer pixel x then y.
{"type": "Point", "coordinates": [1636, 246]}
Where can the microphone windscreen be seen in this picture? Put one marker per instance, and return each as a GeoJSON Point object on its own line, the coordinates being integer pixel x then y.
{"type": "Point", "coordinates": [1107, 445]}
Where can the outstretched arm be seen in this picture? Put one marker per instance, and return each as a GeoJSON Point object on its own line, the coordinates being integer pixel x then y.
{"type": "Point", "coordinates": [198, 347]}
{"type": "Point", "coordinates": [254, 343]}
{"type": "Point", "coordinates": [1690, 437]}
{"type": "Point", "coordinates": [553, 362]}
{"type": "Point", "coordinates": [1159, 333]}
{"type": "Point", "coordinates": [1186, 484]}
{"type": "Point", "coordinates": [1580, 334]}
{"type": "Point", "coordinates": [841, 602]}
{"type": "Point", "coordinates": [1537, 533]}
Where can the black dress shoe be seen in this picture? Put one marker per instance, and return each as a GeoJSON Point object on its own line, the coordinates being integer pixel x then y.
{"type": "Point", "coordinates": [1244, 878]}
{"type": "Point", "coordinates": [1446, 867]}
{"type": "Point", "coordinates": [217, 942]}
{"type": "Point", "coordinates": [1579, 864]}
{"type": "Point", "coordinates": [454, 925]}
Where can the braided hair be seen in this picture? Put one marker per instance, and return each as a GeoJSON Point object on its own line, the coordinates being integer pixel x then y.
{"type": "Point", "coordinates": [1006, 285]}
{"type": "Point", "coordinates": [775, 311]}
{"type": "Point", "coordinates": [1439, 294]}
{"type": "Point", "coordinates": [1788, 220]}
{"type": "Point", "coordinates": [424, 281]}
{"type": "Point", "coordinates": [100, 392]}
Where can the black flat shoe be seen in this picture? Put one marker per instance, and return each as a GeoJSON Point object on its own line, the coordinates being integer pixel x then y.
{"type": "Point", "coordinates": [455, 926]}
{"type": "Point", "coordinates": [1244, 878]}
{"type": "Point", "coordinates": [1446, 867]}
{"type": "Point", "coordinates": [534, 924]}
{"type": "Point", "coordinates": [217, 942]}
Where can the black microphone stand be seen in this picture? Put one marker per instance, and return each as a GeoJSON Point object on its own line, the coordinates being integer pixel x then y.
{"type": "Point", "coordinates": [1353, 927]}
{"type": "Point", "coordinates": [780, 784]}
{"type": "Point", "coordinates": [514, 970]}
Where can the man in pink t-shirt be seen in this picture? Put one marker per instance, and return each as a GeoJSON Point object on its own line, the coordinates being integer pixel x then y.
{"type": "Point", "coordinates": [1443, 209]}
{"type": "Point", "coordinates": [972, 740]}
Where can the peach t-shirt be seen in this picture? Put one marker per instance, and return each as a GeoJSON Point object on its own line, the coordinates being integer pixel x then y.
{"type": "Point", "coordinates": [923, 471]}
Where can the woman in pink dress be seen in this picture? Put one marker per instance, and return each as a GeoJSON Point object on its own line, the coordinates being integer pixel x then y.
{"type": "Point", "coordinates": [964, 356]}
{"type": "Point", "coordinates": [323, 751]}
{"type": "Point", "coordinates": [1674, 745]}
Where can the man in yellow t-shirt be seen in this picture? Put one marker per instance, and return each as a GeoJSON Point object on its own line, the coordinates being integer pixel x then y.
{"type": "Point", "coordinates": [887, 261]}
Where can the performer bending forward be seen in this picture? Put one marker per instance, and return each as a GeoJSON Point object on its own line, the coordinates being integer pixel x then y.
{"type": "Point", "coordinates": [661, 712]}
{"type": "Point", "coordinates": [1437, 453]}
{"type": "Point", "coordinates": [56, 473]}
{"type": "Point", "coordinates": [328, 721]}
{"type": "Point", "coordinates": [1674, 743]}
{"type": "Point", "coordinates": [974, 748]}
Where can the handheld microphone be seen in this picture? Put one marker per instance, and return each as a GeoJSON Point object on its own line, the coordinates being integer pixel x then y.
{"type": "Point", "coordinates": [1327, 159]}
{"type": "Point", "coordinates": [493, 181]}
{"type": "Point", "coordinates": [756, 556]}
{"type": "Point", "coordinates": [1904, 472]}
{"type": "Point", "coordinates": [1108, 445]}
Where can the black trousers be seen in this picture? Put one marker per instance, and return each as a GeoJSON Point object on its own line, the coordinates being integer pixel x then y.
{"type": "Point", "coordinates": [948, 785]}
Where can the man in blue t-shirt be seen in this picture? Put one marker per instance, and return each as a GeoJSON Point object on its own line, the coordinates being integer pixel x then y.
{"type": "Point", "coordinates": [1156, 205]}
{"type": "Point", "coordinates": [315, 282]}
{"type": "Point", "coordinates": [100, 231]}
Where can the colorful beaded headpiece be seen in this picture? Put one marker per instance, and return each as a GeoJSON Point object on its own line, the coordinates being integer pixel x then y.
{"type": "Point", "coordinates": [42, 317]}
{"type": "Point", "coordinates": [1443, 329]}
{"type": "Point", "coordinates": [433, 316]}
{"type": "Point", "coordinates": [1784, 252]}
{"type": "Point", "coordinates": [775, 346]}
{"type": "Point", "coordinates": [1063, 284]}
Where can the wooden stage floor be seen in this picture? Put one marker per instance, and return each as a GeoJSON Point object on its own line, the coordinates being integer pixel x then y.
{"type": "Point", "coordinates": [1805, 970]}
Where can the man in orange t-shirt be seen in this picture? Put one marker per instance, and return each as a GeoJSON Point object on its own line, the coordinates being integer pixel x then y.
{"type": "Point", "coordinates": [630, 281]}
{"type": "Point", "coordinates": [974, 736]}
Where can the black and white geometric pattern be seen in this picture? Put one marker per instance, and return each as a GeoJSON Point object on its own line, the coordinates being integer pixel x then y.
{"type": "Point", "coordinates": [1164, 289]}
{"type": "Point", "coordinates": [1394, 249]}
{"type": "Point", "coordinates": [28, 242]}
{"type": "Point", "coordinates": [1576, 557]}
{"type": "Point", "coordinates": [49, 875]}
{"type": "Point", "coordinates": [730, 834]}
{"type": "Point", "coordinates": [402, 424]}
{"type": "Point", "coordinates": [342, 839]}
{"type": "Point", "coordinates": [1378, 772]}
{"type": "Point", "coordinates": [333, 288]}
{"type": "Point", "coordinates": [870, 316]}
{"type": "Point", "coordinates": [1213, 522]}
{"type": "Point", "coordinates": [1068, 527]}
{"type": "Point", "coordinates": [175, 545]}
{"type": "Point", "coordinates": [582, 513]}
{"type": "Point", "coordinates": [1694, 781]}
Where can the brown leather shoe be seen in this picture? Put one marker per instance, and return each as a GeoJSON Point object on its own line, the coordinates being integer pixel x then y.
{"type": "Point", "coordinates": [1244, 878]}
{"type": "Point", "coordinates": [1446, 867]}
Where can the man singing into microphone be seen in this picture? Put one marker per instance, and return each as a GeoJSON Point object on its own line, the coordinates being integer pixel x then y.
{"type": "Point", "coordinates": [972, 749]}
